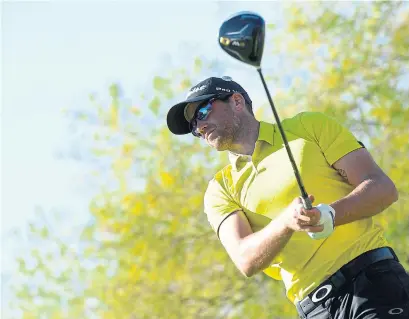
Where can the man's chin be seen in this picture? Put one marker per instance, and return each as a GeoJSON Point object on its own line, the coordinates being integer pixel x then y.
{"type": "Point", "coordinates": [218, 145]}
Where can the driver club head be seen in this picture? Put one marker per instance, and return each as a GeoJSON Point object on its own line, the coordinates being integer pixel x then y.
{"type": "Point", "coordinates": [242, 37]}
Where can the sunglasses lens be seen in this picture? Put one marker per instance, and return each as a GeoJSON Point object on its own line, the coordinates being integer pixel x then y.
{"type": "Point", "coordinates": [204, 112]}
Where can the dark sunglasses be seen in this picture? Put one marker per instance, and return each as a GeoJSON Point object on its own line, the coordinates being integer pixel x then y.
{"type": "Point", "coordinates": [203, 110]}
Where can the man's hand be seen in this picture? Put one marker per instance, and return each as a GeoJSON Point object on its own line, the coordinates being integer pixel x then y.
{"type": "Point", "coordinates": [297, 218]}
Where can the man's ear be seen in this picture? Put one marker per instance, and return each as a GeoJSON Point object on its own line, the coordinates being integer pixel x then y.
{"type": "Point", "coordinates": [239, 101]}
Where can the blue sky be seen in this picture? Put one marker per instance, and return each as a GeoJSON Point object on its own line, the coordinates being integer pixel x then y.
{"type": "Point", "coordinates": [55, 55]}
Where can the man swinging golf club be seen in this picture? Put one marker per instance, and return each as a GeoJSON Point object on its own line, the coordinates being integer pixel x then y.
{"type": "Point", "coordinates": [332, 258]}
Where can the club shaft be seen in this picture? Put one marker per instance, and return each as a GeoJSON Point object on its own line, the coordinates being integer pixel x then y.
{"type": "Point", "coordinates": [306, 201]}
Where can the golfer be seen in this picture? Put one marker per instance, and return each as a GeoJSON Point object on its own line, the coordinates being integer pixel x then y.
{"type": "Point", "coordinates": [333, 259]}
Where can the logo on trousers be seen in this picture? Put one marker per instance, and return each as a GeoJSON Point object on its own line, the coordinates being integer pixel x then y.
{"type": "Point", "coordinates": [395, 311]}
{"type": "Point", "coordinates": [321, 293]}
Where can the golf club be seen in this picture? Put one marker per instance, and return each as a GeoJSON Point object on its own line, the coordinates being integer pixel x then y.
{"type": "Point", "coordinates": [242, 37]}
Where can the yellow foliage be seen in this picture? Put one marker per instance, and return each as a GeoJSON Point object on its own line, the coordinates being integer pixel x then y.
{"type": "Point", "coordinates": [128, 199]}
{"type": "Point", "coordinates": [135, 110]}
{"type": "Point", "coordinates": [167, 179]}
{"type": "Point", "coordinates": [174, 225]}
{"type": "Point", "coordinates": [140, 248]}
{"type": "Point", "coordinates": [151, 201]}
{"type": "Point", "coordinates": [287, 308]}
{"type": "Point", "coordinates": [120, 292]}
{"type": "Point", "coordinates": [297, 82]}
{"type": "Point", "coordinates": [185, 84]}
{"type": "Point", "coordinates": [259, 113]}
{"type": "Point", "coordinates": [127, 149]}
{"type": "Point", "coordinates": [332, 81]}
{"type": "Point", "coordinates": [196, 200]}
{"type": "Point", "coordinates": [297, 46]}
{"type": "Point", "coordinates": [315, 37]}
{"type": "Point", "coordinates": [333, 53]}
{"type": "Point", "coordinates": [113, 119]}
{"type": "Point", "coordinates": [371, 22]}
{"type": "Point", "coordinates": [103, 152]}
{"type": "Point", "coordinates": [185, 211]}
{"type": "Point", "coordinates": [198, 65]}
{"type": "Point", "coordinates": [299, 21]}
{"type": "Point", "coordinates": [152, 276]}
{"type": "Point", "coordinates": [401, 35]}
{"type": "Point", "coordinates": [154, 105]}
{"type": "Point", "coordinates": [122, 164]}
{"type": "Point", "coordinates": [95, 210]}
{"type": "Point", "coordinates": [346, 64]}
{"type": "Point", "coordinates": [136, 209]}
{"type": "Point", "coordinates": [380, 113]}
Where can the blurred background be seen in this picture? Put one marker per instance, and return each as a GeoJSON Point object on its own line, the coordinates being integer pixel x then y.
{"type": "Point", "coordinates": [102, 207]}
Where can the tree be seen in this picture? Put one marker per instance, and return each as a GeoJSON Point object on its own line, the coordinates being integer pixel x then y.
{"type": "Point", "coordinates": [150, 252]}
{"type": "Point", "coordinates": [356, 71]}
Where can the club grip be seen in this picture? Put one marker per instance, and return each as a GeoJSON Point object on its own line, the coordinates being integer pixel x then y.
{"type": "Point", "coordinates": [306, 202]}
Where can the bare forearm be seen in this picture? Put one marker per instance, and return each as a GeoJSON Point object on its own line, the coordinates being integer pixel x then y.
{"type": "Point", "coordinates": [259, 249]}
{"type": "Point", "coordinates": [369, 198]}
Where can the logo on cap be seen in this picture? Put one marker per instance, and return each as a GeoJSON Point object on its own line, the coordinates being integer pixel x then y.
{"type": "Point", "coordinates": [225, 90]}
{"type": "Point", "coordinates": [196, 89]}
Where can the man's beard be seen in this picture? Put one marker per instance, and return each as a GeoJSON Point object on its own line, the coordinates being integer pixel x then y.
{"type": "Point", "coordinates": [226, 136]}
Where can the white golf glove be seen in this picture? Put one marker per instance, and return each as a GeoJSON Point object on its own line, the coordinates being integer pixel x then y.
{"type": "Point", "coordinates": [327, 220]}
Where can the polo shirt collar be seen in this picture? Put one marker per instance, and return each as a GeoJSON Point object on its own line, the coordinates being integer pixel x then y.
{"type": "Point", "coordinates": [266, 134]}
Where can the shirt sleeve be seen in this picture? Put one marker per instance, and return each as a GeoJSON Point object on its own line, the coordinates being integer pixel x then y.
{"type": "Point", "coordinates": [334, 139]}
{"type": "Point", "coordinates": [218, 203]}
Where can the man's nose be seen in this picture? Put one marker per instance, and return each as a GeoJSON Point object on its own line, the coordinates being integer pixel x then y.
{"type": "Point", "coordinates": [200, 126]}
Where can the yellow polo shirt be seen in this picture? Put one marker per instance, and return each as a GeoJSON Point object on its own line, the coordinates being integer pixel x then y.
{"type": "Point", "coordinates": [263, 185]}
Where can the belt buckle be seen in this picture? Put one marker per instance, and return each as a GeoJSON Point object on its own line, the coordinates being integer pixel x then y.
{"type": "Point", "coordinates": [312, 301]}
{"type": "Point", "coordinates": [322, 292]}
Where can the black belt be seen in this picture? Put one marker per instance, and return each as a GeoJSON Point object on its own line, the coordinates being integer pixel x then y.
{"type": "Point", "coordinates": [343, 275]}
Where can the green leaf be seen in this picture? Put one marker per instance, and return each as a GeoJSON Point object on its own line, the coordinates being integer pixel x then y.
{"type": "Point", "coordinates": [154, 105]}
{"type": "Point", "coordinates": [114, 91]}
{"type": "Point", "coordinates": [160, 83]}
{"type": "Point", "coordinates": [198, 65]}
{"type": "Point", "coordinates": [271, 26]}
{"type": "Point", "coordinates": [44, 233]}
